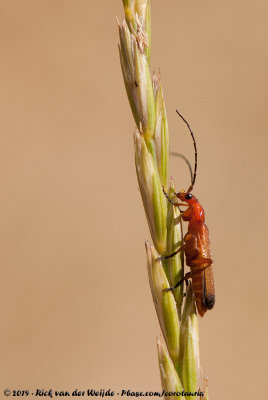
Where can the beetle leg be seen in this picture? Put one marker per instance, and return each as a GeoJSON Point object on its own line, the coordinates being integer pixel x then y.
{"type": "Point", "coordinates": [201, 261]}
{"type": "Point", "coordinates": [170, 255]}
{"type": "Point", "coordinates": [187, 214]}
{"type": "Point", "coordinates": [172, 202]}
{"type": "Point", "coordinates": [190, 274]}
{"type": "Point", "coordinates": [187, 276]}
{"type": "Point", "coordinates": [191, 247]}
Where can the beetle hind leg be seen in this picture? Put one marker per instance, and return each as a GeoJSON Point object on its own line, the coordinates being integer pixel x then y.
{"type": "Point", "coordinates": [187, 276]}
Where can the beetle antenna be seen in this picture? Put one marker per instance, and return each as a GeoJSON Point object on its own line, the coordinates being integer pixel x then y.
{"type": "Point", "coordinates": [195, 152]}
{"type": "Point", "coordinates": [174, 153]}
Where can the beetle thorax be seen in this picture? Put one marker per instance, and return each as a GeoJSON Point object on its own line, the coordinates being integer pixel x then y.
{"type": "Point", "coordinates": [198, 212]}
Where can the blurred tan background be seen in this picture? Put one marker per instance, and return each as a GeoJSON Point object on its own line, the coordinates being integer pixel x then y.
{"type": "Point", "coordinates": [76, 308]}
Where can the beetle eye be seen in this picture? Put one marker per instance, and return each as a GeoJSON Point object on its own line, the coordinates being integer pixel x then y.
{"type": "Point", "coordinates": [188, 196]}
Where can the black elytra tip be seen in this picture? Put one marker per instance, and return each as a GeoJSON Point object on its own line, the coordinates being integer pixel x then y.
{"type": "Point", "coordinates": [209, 301]}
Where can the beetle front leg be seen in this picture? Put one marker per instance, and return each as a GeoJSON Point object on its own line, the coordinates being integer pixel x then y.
{"type": "Point", "coordinates": [172, 202]}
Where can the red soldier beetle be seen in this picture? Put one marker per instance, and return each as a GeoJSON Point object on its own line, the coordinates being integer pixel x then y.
{"type": "Point", "coordinates": [196, 244]}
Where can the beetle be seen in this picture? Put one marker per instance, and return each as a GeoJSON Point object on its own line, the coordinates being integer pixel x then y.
{"type": "Point", "coordinates": [196, 244]}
